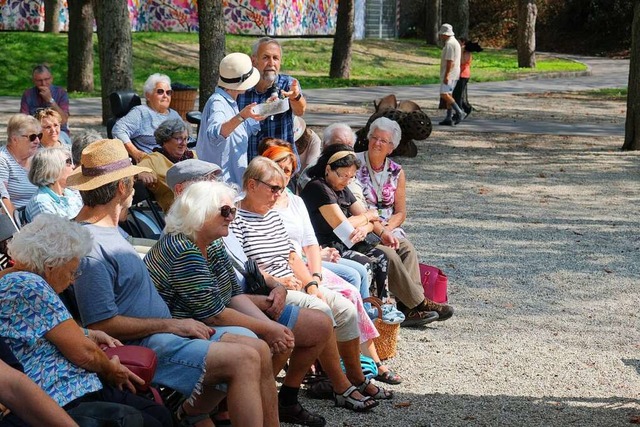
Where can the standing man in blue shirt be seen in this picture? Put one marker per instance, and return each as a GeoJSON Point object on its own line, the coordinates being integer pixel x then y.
{"type": "Point", "coordinates": [266, 57]}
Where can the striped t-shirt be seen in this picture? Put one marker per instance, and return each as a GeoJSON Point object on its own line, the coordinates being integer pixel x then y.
{"type": "Point", "coordinates": [191, 286]}
{"type": "Point", "coordinates": [264, 239]}
{"type": "Point", "coordinates": [14, 180]}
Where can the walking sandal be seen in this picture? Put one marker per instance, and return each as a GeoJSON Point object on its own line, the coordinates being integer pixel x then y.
{"type": "Point", "coordinates": [379, 394]}
{"type": "Point", "coordinates": [346, 400]}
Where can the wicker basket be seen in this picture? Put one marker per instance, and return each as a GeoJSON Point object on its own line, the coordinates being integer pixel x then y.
{"type": "Point", "coordinates": [387, 342]}
{"type": "Point", "coordinates": [184, 101]}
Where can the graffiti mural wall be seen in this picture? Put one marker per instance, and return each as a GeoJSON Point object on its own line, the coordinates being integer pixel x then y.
{"type": "Point", "coordinates": [271, 17]}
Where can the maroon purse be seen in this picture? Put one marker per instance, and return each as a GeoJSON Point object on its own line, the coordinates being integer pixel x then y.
{"type": "Point", "coordinates": [434, 283]}
{"type": "Point", "coordinates": [142, 361]}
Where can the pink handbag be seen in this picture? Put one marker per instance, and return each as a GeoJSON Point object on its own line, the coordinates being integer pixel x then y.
{"type": "Point", "coordinates": [434, 283]}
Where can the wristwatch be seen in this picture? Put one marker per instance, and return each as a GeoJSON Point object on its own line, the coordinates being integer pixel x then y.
{"type": "Point", "coordinates": [297, 98]}
{"type": "Point", "coordinates": [318, 275]}
{"type": "Point", "coordinates": [52, 101]}
{"type": "Point", "coordinates": [240, 118]}
{"type": "Point", "coordinates": [308, 285]}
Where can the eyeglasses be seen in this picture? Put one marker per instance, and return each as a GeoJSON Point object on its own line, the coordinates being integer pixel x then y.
{"type": "Point", "coordinates": [380, 140]}
{"type": "Point", "coordinates": [161, 91]}
{"type": "Point", "coordinates": [33, 136]}
{"type": "Point", "coordinates": [227, 211]}
{"type": "Point", "coordinates": [69, 162]}
{"type": "Point", "coordinates": [275, 189]}
{"type": "Point", "coordinates": [180, 139]}
{"type": "Point", "coordinates": [343, 176]}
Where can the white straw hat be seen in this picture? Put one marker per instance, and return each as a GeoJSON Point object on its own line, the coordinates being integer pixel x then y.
{"type": "Point", "coordinates": [237, 72]}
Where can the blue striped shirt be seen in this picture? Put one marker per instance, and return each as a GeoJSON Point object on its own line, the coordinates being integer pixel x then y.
{"type": "Point", "coordinates": [14, 180]}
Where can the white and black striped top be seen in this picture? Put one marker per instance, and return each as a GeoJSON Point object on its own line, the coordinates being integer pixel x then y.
{"type": "Point", "coordinates": [264, 239]}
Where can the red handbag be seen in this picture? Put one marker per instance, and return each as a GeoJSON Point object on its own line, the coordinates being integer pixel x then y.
{"type": "Point", "coordinates": [142, 361]}
{"type": "Point", "coordinates": [434, 283]}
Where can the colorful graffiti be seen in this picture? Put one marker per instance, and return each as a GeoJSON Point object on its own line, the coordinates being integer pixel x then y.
{"type": "Point", "coordinates": [271, 17]}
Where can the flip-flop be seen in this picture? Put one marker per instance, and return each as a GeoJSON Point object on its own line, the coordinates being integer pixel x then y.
{"type": "Point", "coordinates": [388, 377]}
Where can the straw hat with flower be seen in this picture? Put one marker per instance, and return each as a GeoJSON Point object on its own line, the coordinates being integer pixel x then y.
{"type": "Point", "coordinates": [102, 162]}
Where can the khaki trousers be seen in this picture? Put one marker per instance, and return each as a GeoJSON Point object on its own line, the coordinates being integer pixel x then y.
{"type": "Point", "coordinates": [404, 273]}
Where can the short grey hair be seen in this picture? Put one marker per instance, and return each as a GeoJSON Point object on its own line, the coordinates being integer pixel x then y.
{"type": "Point", "coordinates": [18, 124]}
{"type": "Point", "coordinates": [80, 140]}
{"type": "Point", "coordinates": [330, 131]}
{"type": "Point", "coordinates": [41, 68]}
{"type": "Point", "coordinates": [47, 164]}
{"type": "Point", "coordinates": [262, 169]}
{"type": "Point", "coordinates": [198, 202]}
{"type": "Point", "coordinates": [264, 40]}
{"type": "Point", "coordinates": [387, 125]}
{"type": "Point", "coordinates": [153, 80]}
{"type": "Point", "coordinates": [168, 128]}
{"type": "Point", "coordinates": [49, 241]}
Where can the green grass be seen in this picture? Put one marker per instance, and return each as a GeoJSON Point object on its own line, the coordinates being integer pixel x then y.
{"type": "Point", "coordinates": [374, 62]}
{"type": "Point", "coordinates": [613, 94]}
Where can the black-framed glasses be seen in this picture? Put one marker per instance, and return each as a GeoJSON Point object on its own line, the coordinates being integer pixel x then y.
{"type": "Point", "coordinates": [227, 211]}
{"type": "Point", "coordinates": [161, 91]}
{"type": "Point", "coordinates": [33, 136]}
{"type": "Point", "coordinates": [275, 189]}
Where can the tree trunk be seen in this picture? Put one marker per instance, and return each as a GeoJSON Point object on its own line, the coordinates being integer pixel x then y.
{"type": "Point", "coordinates": [51, 16]}
{"type": "Point", "coordinates": [632, 124]}
{"type": "Point", "coordinates": [433, 19]}
{"type": "Point", "coordinates": [456, 13]}
{"type": "Point", "coordinates": [114, 47]}
{"type": "Point", "coordinates": [527, 12]}
{"type": "Point", "coordinates": [80, 46]}
{"type": "Point", "coordinates": [343, 41]}
{"type": "Point", "coordinates": [212, 46]}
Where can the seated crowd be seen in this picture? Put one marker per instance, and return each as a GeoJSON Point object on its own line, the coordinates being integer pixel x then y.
{"type": "Point", "coordinates": [264, 263]}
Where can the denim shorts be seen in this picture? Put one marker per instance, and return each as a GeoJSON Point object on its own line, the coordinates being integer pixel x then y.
{"type": "Point", "coordinates": [181, 361]}
{"type": "Point", "coordinates": [289, 316]}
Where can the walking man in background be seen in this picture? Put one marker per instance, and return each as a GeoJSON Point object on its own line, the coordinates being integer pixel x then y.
{"type": "Point", "coordinates": [449, 73]}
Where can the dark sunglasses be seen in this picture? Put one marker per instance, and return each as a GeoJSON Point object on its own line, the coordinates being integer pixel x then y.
{"type": "Point", "coordinates": [33, 136]}
{"type": "Point", "coordinates": [69, 162]}
{"type": "Point", "coordinates": [275, 189]}
{"type": "Point", "coordinates": [161, 91]}
{"type": "Point", "coordinates": [227, 211]}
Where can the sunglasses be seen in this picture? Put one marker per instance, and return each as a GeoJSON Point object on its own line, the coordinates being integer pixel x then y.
{"type": "Point", "coordinates": [227, 211]}
{"type": "Point", "coordinates": [69, 162]}
{"type": "Point", "coordinates": [33, 136]}
{"type": "Point", "coordinates": [161, 91]}
{"type": "Point", "coordinates": [275, 189]}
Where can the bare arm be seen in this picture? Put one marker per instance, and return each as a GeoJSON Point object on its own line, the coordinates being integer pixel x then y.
{"type": "Point", "coordinates": [230, 125]}
{"type": "Point", "coordinates": [314, 259]}
{"type": "Point", "coordinates": [448, 70]}
{"type": "Point", "coordinates": [83, 352]}
{"type": "Point", "coordinates": [28, 401]}
{"type": "Point", "coordinates": [130, 328]}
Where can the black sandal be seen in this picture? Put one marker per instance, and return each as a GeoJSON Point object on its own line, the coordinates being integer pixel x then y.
{"type": "Point", "coordinates": [296, 414]}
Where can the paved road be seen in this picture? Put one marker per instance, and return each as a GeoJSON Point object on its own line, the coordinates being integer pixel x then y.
{"type": "Point", "coordinates": [603, 73]}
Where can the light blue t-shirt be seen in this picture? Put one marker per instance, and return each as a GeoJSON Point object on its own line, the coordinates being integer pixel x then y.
{"type": "Point", "coordinates": [115, 281]}
{"type": "Point", "coordinates": [47, 201]}
{"type": "Point", "coordinates": [229, 153]}
{"type": "Point", "coordinates": [14, 180]}
{"type": "Point", "coordinates": [139, 125]}
{"type": "Point", "coordinates": [30, 309]}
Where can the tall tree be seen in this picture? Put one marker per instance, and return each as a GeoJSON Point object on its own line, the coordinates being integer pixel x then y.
{"type": "Point", "coordinates": [80, 46]}
{"type": "Point", "coordinates": [51, 16]}
{"type": "Point", "coordinates": [433, 14]}
{"type": "Point", "coordinates": [456, 13]}
{"type": "Point", "coordinates": [632, 124]}
{"type": "Point", "coordinates": [115, 49]}
{"type": "Point", "coordinates": [527, 13]}
{"type": "Point", "coordinates": [343, 41]}
{"type": "Point", "coordinates": [212, 46]}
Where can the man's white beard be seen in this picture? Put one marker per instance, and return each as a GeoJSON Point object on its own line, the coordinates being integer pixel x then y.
{"type": "Point", "coordinates": [270, 76]}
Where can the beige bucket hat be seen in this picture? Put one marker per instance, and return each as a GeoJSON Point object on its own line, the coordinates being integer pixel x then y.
{"type": "Point", "coordinates": [237, 72]}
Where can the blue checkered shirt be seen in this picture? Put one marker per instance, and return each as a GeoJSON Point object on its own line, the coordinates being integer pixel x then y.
{"type": "Point", "coordinates": [278, 126]}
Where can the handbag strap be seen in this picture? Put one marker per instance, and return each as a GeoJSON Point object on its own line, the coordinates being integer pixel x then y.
{"type": "Point", "coordinates": [234, 260]}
